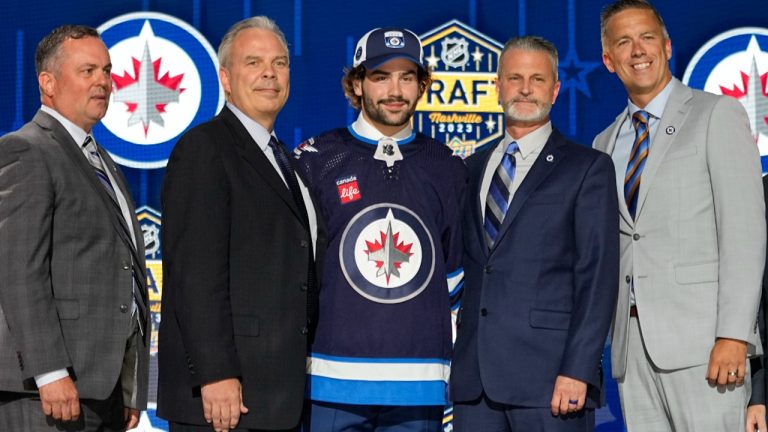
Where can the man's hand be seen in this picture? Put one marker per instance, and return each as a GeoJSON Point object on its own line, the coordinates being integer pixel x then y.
{"type": "Point", "coordinates": [131, 417]}
{"type": "Point", "coordinates": [566, 391]}
{"type": "Point", "coordinates": [727, 362]}
{"type": "Point", "coordinates": [223, 403]}
{"type": "Point", "coordinates": [756, 419]}
{"type": "Point", "coordinates": [60, 400]}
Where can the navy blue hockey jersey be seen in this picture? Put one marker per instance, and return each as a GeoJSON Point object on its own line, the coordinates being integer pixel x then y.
{"type": "Point", "coordinates": [384, 332]}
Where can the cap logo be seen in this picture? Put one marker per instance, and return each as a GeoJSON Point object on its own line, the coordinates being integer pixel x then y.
{"type": "Point", "coordinates": [359, 53]}
{"type": "Point", "coordinates": [394, 39]}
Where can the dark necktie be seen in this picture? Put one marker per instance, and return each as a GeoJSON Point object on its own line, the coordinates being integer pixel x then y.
{"type": "Point", "coordinates": [497, 201]}
{"type": "Point", "coordinates": [637, 160]}
{"type": "Point", "coordinates": [94, 158]}
{"type": "Point", "coordinates": [289, 174]}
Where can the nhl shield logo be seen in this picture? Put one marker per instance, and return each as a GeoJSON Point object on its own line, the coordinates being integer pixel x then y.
{"type": "Point", "coordinates": [735, 64]}
{"type": "Point", "coordinates": [387, 254]}
{"type": "Point", "coordinates": [165, 80]}
{"type": "Point", "coordinates": [461, 107]}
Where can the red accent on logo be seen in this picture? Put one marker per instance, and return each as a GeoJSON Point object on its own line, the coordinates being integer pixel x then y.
{"type": "Point", "coordinates": [349, 192]}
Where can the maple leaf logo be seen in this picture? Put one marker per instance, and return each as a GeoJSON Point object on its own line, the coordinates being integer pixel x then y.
{"type": "Point", "coordinates": [388, 253]}
{"type": "Point", "coordinates": [147, 94]}
{"type": "Point", "coordinates": [754, 97]}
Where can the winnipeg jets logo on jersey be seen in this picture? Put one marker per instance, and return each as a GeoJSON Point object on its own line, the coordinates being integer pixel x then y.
{"type": "Point", "coordinates": [387, 254]}
{"type": "Point", "coordinates": [165, 77]}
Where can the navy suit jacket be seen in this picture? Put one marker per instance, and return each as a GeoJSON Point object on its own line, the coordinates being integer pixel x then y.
{"type": "Point", "coordinates": [539, 304]}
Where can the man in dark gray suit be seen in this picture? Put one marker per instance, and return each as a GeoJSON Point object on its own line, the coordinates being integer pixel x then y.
{"type": "Point", "coordinates": [73, 346]}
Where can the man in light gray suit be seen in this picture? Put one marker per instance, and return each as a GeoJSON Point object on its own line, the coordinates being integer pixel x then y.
{"type": "Point", "coordinates": [73, 319]}
{"type": "Point", "coordinates": [692, 237]}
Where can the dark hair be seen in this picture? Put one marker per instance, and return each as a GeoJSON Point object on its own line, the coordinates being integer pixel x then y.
{"type": "Point", "coordinates": [48, 48]}
{"type": "Point", "coordinates": [609, 11]}
{"type": "Point", "coordinates": [424, 75]}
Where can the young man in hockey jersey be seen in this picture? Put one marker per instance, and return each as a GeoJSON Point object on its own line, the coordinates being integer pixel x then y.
{"type": "Point", "coordinates": [392, 200]}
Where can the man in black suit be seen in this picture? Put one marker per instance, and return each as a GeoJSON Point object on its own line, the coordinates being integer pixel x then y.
{"type": "Point", "coordinates": [241, 242]}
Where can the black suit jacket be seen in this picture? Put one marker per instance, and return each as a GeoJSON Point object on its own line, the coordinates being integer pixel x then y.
{"type": "Point", "coordinates": [759, 378]}
{"type": "Point", "coordinates": [235, 261]}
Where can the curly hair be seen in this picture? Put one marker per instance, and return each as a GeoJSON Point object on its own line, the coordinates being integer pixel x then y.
{"type": "Point", "coordinates": [351, 75]}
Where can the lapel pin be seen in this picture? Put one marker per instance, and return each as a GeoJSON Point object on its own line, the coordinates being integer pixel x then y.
{"type": "Point", "coordinates": [550, 158]}
{"type": "Point", "coordinates": [670, 130]}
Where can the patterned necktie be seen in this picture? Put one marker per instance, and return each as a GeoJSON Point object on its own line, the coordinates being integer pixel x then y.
{"type": "Point", "coordinates": [637, 160]}
{"type": "Point", "coordinates": [289, 174]}
{"type": "Point", "coordinates": [94, 158]}
{"type": "Point", "coordinates": [497, 202]}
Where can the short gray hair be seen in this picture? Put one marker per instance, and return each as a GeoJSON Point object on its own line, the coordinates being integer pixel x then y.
{"type": "Point", "coordinates": [258, 22]}
{"type": "Point", "coordinates": [533, 43]}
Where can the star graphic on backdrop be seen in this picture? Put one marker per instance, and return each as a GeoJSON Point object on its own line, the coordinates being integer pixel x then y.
{"type": "Point", "coordinates": [573, 72]}
{"type": "Point", "coordinates": [490, 124]}
{"type": "Point", "coordinates": [432, 60]}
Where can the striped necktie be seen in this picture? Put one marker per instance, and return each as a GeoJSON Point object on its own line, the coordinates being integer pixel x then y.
{"type": "Point", "coordinates": [637, 160]}
{"type": "Point", "coordinates": [94, 158]}
{"type": "Point", "coordinates": [497, 202]}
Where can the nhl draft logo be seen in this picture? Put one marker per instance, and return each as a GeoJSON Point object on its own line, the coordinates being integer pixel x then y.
{"type": "Point", "coordinates": [735, 64]}
{"type": "Point", "coordinates": [165, 80]}
{"type": "Point", "coordinates": [461, 107]}
{"type": "Point", "coordinates": [387, 254]}
{"type": "Point", "coordinates": [150, 222]}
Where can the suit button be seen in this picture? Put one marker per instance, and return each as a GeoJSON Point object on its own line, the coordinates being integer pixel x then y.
{"type": "Point", "coordinates": [483, 311]}
{"type": "Point", "coordinates": [628, 279]}
{"type": "Point", "coordinates": [303, 287]}
{"type": "Point", "coordinates": [123, 308]}
{"type": "Point", "coordinates": [488, 269]}
{"type": "Point", "coordinates": [304, 330]}
{"type": "Point", "coordinates": [126, 265]}
{"type": "Point", "coordinates": [636, 237]}
{"type": "Point", "coordinates": [304, 243]}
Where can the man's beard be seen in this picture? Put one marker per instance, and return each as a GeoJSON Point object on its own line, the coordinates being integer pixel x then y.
{"type": "Point", "coordinates": [511, 113]}
{"type": "Point", "coordinates": [377, 114]}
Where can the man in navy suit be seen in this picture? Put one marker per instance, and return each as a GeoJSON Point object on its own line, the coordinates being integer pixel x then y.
{"type": "Point", "coordinates": [541, 259]}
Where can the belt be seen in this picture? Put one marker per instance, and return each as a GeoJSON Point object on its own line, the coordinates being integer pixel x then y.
{"type": "Point", "coordinates": [633, 311]}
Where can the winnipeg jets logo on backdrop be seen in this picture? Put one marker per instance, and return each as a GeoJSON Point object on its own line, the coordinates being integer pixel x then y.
{"type": "Point", "coordinates": [387, 254]}
{"type": "Point", "coordinates": [735, 64]}
{"type": "Point", "coordinates": [165, 80]}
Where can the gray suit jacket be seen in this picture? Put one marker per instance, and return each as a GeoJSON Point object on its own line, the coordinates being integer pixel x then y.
{"type": "Point", "coordinates": [65, 267]}
{"type": "Point", "coordinates": [696, 248]}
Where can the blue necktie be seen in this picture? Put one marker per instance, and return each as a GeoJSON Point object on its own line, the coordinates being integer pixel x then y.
{"type": "Point", "coordinates": [637, 160]}
{"type": "Point", "coordinates": [497, 202]}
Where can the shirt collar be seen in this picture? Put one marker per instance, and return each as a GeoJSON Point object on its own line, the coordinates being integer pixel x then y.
{"type": "Point", "coordinates": [656, 106]}
{"type": "Point", "coordinates": [531, 142]}
{"type": "Point", "coordinates": [255, 130]}
{"type": "Point", "coordinates": [365, 131]}
{"type": "Point", "coordinates": [76, 132]}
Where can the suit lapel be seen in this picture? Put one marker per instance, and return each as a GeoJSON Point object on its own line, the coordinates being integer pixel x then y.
{"type": "Point", "coordinates": [607, 144]}
{"type": "Point", "coordinates": [476, 208]}
{"type": "Point", "coordinates": [551, 155]}
{"type": "Point", "coordinates": [673, 116]}
{"type": "Point", "coordinates": [77, 158]}
{"type": "Point", "coordinates": [255, 157]}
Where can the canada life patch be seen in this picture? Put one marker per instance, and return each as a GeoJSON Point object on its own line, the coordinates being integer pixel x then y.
{"type": "Point", "coordinates": [348, 189]}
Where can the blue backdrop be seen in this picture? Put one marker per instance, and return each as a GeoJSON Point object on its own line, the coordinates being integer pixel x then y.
{"type": "Point", "coordinates": [321, 36]}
